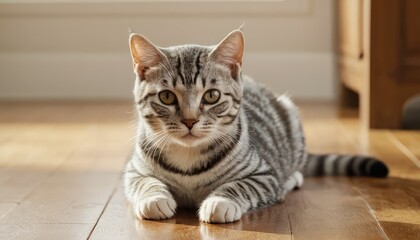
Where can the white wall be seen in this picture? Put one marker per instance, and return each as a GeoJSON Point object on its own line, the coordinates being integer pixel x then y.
{"type": "Point", "coordinates": [79, 50]}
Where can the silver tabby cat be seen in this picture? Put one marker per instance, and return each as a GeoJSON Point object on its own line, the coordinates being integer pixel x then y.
{"type": "Point", "coordinates": [212, 138]}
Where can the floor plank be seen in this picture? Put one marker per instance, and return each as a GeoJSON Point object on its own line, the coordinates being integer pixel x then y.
{"type": "Point", "coordinates": [396, 203]}
{"type": "Point", "coordinates": [5, 208]}
{"type": "Point", "coordinates": [409, 143]}
{"type": "Point", "coordinates": [66, 197]}
{"type": "Point", "coordinates": [329, 209]}
{"type": "Point", "coordinates": [32, 154]}
{"type": "Point", "coordinates": [60, 165]}
{"type": "Point", "coordinates": [44, 231]}
{"type": "Point", "coordinates": [118, 222]}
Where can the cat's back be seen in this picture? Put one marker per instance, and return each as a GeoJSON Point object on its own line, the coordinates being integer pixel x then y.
{"type": "Point", "coordinates": [275, 127]}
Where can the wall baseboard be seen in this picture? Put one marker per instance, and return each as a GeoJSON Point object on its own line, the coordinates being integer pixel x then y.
{"type": "Point", "coordinates": [94, 76]}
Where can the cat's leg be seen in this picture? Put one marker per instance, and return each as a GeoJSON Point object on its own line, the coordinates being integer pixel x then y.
{"type": "Point", "coordinates": [150, 198]}
{"type": "Point", "coordinates": [229, 201]}
{"type": "Point", "coordinates": [294, 181]}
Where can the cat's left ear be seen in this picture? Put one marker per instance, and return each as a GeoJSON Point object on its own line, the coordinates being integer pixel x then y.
{"type": "Point", "coordinates": [230, 51]}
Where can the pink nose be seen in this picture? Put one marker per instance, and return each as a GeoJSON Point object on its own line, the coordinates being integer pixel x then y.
{"type": "Point", "coordinates": [189, 122]}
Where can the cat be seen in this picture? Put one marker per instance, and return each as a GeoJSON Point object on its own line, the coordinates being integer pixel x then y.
{"type": "Point", "coordinates": [210, 137]}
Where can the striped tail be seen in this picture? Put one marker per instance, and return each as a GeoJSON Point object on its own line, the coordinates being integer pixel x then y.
{"type": "Point", "coordinates": [350, 165]}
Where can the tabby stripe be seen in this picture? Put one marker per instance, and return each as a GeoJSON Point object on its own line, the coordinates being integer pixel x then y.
{"type": "Point", "coordinates": [231, 193]}
{"type": "Point", "coordinates": [253, 189]}
{"type": "Point", "coordinates": [342, 164]}
{"type": "Point", "coordinates": [212, 146]}
{"type": "Point", "coordinates": [162, 162]}
{"type": "Point", "coordinates": [362, 167]}
{"type": "Point", "coordinates": [228, 115]}
{"type": "Point", "coordinates": [264, 173]}
{"type": "Point", "coordinates": [144, 99]}
{"type": "Point", "coordinates": [349, 167]}
{"type": "Point", "coordinates": [219, 108]}
{"type": "Point", "coordinates": [274, 185]}
{"type": "Point", "coordinates": [336, 167]}
{"type": "Point", "coordinates": [265, 117]}
{"type": "Point", "coordinates": [243, 191]}
{"type": "Point", "coordinates": [264, 107]}
{"type": "Point", "coordinates": [133, 183]}
{"type": "Point", "coordinates": [215, 159]}
{"type": "Point", "coordinates": [233, 169]}
{"type": "Point", "coordinates": [229, 122]}
{"type": "Point", "coordinates": [285, 117]}
{"type": "Point", "coordinates": [260, 184]}
{"type": "Point", "coordinates": [178, 66]}
{"type": "Point", "coordinates": [320, 165]}
{"type": "Point", "coordinates": [197, 65]}
{"type": "Point", "coordinates": [203, 81]}
{"type": "Point", "coordinates": [262, 136]}
{"type": "Point", "coordinates": [230, 168]}
{"type": "Point", "coordinates": [212, 162]}
{"type": "Point", "coordinates": [235, 100]}
{"type": "Point", "coordinates": [329, 164]}
{"type": "Point", "coordinates": [269, 153]}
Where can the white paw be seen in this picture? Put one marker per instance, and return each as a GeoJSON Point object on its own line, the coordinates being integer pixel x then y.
{"type": "Point", "coordinates": [155, 208]}
{"type": "Point", "coordinates": [299, 179]}
{"type": "Point", "coordinates": [219, 210]}
{"type": "Point", "coordinates": [294, 181]}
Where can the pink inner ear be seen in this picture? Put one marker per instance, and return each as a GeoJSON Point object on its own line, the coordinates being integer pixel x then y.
{"type": "Point", "coordinates": [230, 50]}
{"type": "Point", "coordinates": [234, 71]}
{"type": "Point", "coordinates": [144, 54]}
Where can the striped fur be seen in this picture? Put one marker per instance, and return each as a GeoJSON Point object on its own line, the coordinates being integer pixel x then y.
{"type": "Point", "coordinates": [245, 151]}
{"type": "Point", "coordinates": [350, 165]}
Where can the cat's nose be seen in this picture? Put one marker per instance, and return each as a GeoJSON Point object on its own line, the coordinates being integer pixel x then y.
{"type": "Point", "coordinates": [189, 122]}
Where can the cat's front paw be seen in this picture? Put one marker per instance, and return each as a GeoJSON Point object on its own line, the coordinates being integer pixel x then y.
{"type": "Point", "coordinates": [155, 208]}
{"type": "Point", "coordinates": [219, 210]}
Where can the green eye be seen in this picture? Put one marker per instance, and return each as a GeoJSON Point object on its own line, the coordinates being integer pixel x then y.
{"type": "Point", "coordinates": [211, 96]}
{"type": "Point", "coordinates": [167, 97]}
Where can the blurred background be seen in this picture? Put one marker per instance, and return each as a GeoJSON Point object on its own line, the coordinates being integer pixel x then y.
{"type": "Point", "coordinates": [78, 50]}
{"type": "Point", "coordinates": [360, 53]}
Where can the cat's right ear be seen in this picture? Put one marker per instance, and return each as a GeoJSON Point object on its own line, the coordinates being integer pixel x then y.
{"type": "Point", "coordinates": [144, 54]}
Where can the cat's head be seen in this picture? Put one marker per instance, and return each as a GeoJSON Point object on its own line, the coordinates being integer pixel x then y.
{"type": "Point", "coordinates": [188, 94]}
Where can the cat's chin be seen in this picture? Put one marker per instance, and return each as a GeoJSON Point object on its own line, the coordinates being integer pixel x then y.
{"type": "Point", "coordinates": [190, 140]}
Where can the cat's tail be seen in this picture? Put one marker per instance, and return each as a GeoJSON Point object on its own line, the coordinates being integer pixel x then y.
{"type": "Point", "coordinates": [348, 165]}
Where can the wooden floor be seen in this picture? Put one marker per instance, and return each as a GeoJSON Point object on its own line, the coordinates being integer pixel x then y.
{"type": "Point", "coordinates": [60, 179]}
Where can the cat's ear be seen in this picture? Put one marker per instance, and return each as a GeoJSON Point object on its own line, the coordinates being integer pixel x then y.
{"type": "Point", "coordinates": [230, 50]}
{"type": "Point", "coordinates": [144, 54]}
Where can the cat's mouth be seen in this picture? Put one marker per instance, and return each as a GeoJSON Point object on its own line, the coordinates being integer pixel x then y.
{"type": "Point", "coordinates": [189, 136]}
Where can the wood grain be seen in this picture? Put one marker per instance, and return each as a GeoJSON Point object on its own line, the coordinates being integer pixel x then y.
{"type": "Point", "coordinates": [329, 209]}
{"type": "Point", "coordinates": [60, 168]}
{"type": "Point", "coordinates": [5, 208]}
{"type": "Point", "coordinates": [44, 231]}
{"type": "Point", "coordinates": [118, 222]}
{"type": "Point", "coordinates": [396, 204]}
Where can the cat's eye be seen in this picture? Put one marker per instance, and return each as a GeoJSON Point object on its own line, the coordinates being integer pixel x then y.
{"type": "Point", "coordinates": [211, 96]}
{"type": "Point", "coordinates": [167, 97]}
